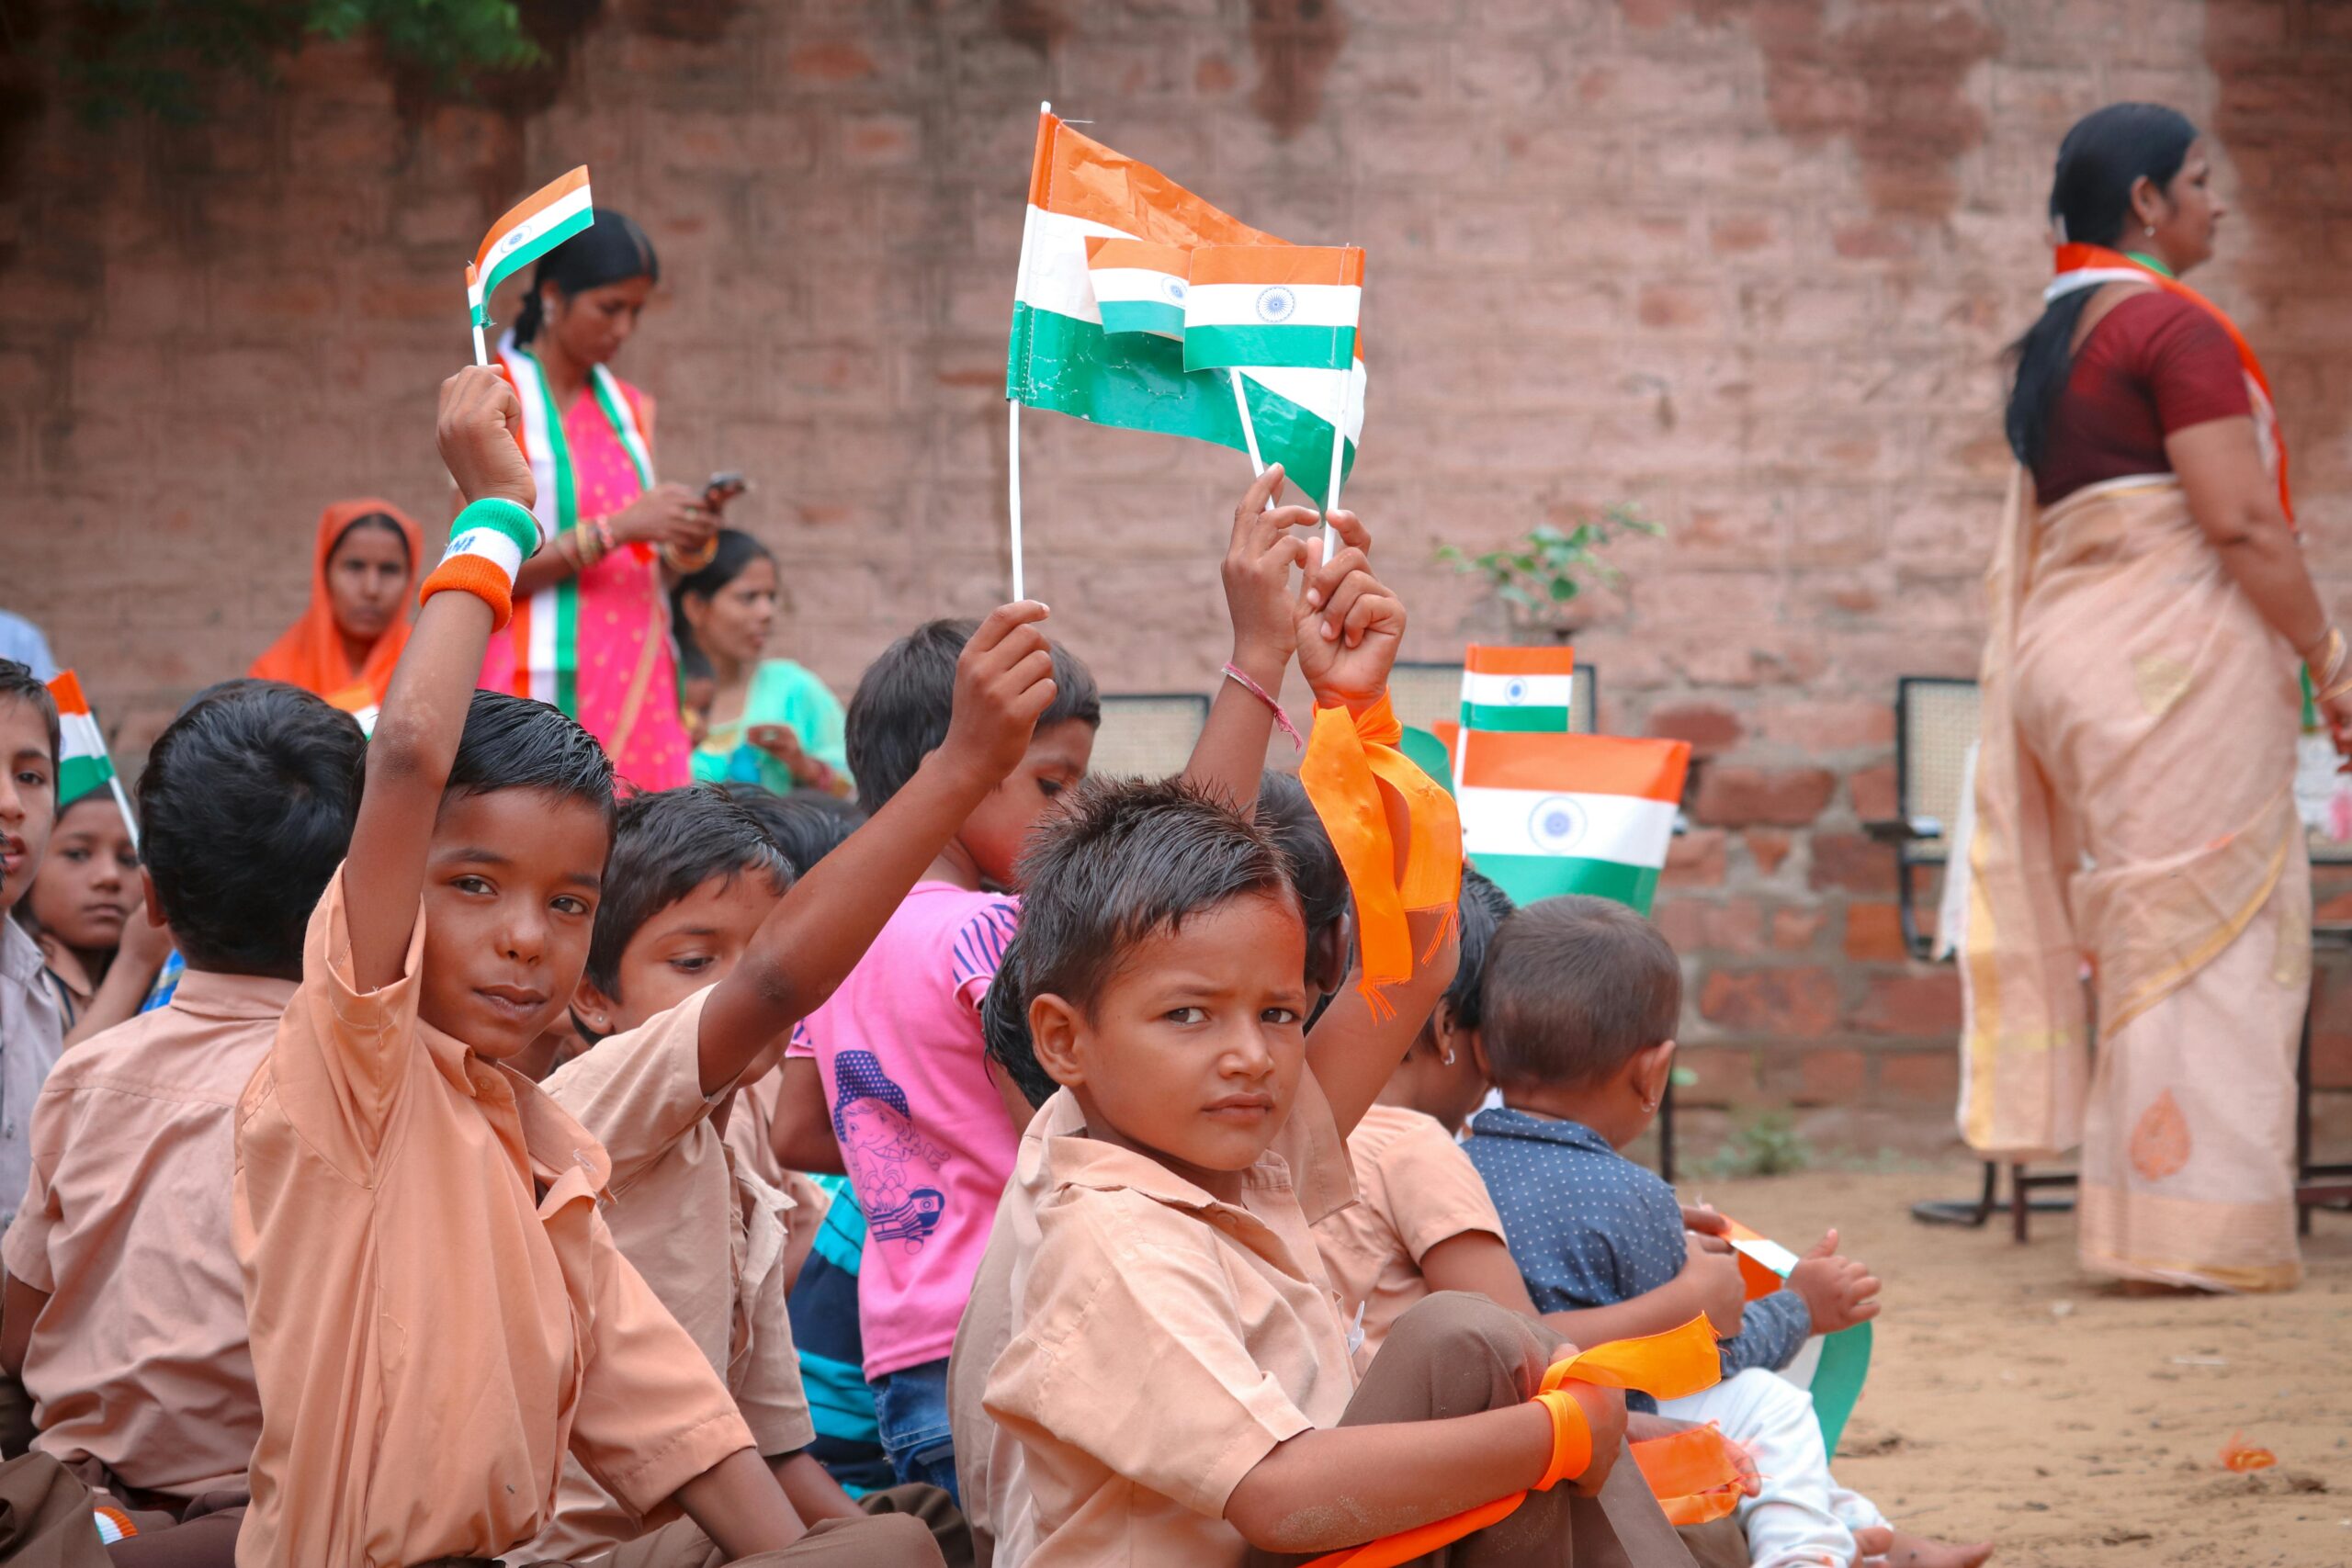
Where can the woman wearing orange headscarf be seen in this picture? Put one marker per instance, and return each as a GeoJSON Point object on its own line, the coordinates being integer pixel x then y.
{"type": "Point", "coordinates": [344, 644]}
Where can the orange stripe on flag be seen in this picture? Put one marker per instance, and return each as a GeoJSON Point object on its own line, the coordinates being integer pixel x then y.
{"type": "Point", "coordinates": [67, 689]}
{"type": "Point", "coordinates": [1332, 266]}
{"type": "Point", "coordinates": [1580, 764]}
{"type": "Point", "coordinates": [1077, 176]}
{"type": "Point", "coordinates": [1104, 251]}
{"type": "Point", "coordinates": [546, 195]}
{"type": "Point", "coordinates": [1486, 659]}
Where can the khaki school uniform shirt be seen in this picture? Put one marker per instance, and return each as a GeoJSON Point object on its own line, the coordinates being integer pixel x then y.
{"type": "Point", "coordinates": [32, 1035]}
{"type": "Point", "coordinates": [438, 1313]}
{"type": "Point", "coordinates": [1418, 1188]}
{"type": "Point", "coordinates": [708, 1236]}
{"type": "Point", "coordinates": [139, 1360]}
{"type": "Point", "coordinates": [1162, 1341]}
{"type": "Point", "coordinates": [750, 1121]}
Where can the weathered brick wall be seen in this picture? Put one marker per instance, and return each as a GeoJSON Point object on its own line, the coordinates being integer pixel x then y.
{"type": "Point", "coordinates": [1745, 262]}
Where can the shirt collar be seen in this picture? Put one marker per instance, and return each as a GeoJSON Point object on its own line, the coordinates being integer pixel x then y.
{"type": "Point", "coordinates": [21, 957]}
{"type": "Point", "coordinates": [1502, 1122]}
{"type": "Point", "coordinates": [209, 994]}
{"type": "Point", "coordinates": [1055, 1152]}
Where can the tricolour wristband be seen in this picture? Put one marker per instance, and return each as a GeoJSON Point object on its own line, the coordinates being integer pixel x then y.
{"type": "Point", "coordinates": [488, 545]}
{"type": "Point", "coordinates": [1571, 1438]}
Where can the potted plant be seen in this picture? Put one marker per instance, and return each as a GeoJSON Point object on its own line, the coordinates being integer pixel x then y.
{"type": "Point", "coordinates": [1541, 576]}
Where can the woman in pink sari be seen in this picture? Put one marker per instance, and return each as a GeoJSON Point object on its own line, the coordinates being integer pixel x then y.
{"type": "Point", "coordinates": [2134, 810]}
{"type": "Point", "coordinates": [591, 632]}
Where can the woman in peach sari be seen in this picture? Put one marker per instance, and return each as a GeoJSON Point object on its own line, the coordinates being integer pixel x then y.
{"type": "Point", "coordinates": [2134, 811]}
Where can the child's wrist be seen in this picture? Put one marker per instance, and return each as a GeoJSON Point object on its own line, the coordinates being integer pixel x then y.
{"type": "Point", "coordinates": [1264, 663]}
{"type": "Point", "coordinates": [488, 545]}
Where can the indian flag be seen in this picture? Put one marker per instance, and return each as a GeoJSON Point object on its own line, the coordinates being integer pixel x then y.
{"type": "Point", "coordinates": [1547, 813]}
{"type": "Point", "coordinates": [1829, 1367]}
{"type": "Point", "coordinates": [82, 765]}
{"type": "Point", "coordinates": [1061, 356]}
{"type": "Point", "coordinates": [1138, 287]}
{"type": "Point", "coordinates": [1524, 689]}
{"type": "Point", "coordinates": [535, 225]}
{"type": "Point", "coordinates": [1261, 305]}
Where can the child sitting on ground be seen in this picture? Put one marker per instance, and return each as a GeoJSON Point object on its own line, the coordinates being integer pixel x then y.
{"type": "Point", "coordinates": [1581, 1001]}
{"type": "Point", "coordinates": [126, 1312]}
{"type": "Point", "coordinates": [438, 1312]}
{"type": "Point", "coordinates": [101, 954]}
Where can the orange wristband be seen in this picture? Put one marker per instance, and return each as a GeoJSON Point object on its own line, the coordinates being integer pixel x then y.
{"type": "Point", "coordinates": [479, 577]}
{"type": "Point", "coordinates": [1571, 1438]}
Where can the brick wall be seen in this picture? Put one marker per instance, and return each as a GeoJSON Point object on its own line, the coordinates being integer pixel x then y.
{"type": "Point", "coordinates": [1745, 264]}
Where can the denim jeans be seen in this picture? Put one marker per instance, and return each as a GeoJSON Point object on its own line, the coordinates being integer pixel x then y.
{"type": "Point", "coordinates": [910, 1406]}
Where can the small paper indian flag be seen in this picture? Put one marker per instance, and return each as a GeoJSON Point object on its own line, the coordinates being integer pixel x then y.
{"type": "Point", "coordinates": [1291, 305]}
{"type": "Point", "coordinates": [1548, 814]}
{"type": "Point", "coordinates": [1138, 286]}
{"type": "Point", "coordinates": [1526, 689]}
{"type": "Point", "coordinates": [532, 227]}
{"type": "Point", "coordinates": [82, 764]}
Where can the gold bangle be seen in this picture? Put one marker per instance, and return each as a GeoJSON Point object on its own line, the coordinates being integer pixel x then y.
{"type": "Point", "coordinates": [687, 565]}
{"type": "Point", "coordinates": [2322, 672]}
{"type": "Point", "coordinates": [2329, 693]}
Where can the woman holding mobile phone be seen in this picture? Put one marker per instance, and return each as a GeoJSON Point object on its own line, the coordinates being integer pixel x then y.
{"type": "Point", "coordinates": [591, 632]}
{"type": "Point", "coordinates": [770, 721]}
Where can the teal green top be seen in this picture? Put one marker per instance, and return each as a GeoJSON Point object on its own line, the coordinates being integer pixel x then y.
{"type": "Point", "coordinates": [782, 693]}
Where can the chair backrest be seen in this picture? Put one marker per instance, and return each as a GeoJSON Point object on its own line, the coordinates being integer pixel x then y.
{"type": "Point", "coordinates": [1149, 735]}
{"type": "Point", "coordinates": [1424, 693]}
{"type": "Point", "coordinates": [1935, 722]}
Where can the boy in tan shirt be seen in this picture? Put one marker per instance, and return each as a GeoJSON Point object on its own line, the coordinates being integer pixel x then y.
{"type": "Point", "coordinates": [439, 1312]}
{"type": "Point", "coordinates": [125, 1311]}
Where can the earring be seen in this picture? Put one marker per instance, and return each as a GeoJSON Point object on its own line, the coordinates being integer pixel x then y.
{"type": "Point", "coordinates": [2150, 231]}
{"type": "Point", "coordinates": [1448, 1057]}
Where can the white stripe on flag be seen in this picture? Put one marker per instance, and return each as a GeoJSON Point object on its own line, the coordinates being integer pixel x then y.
{"type": "Point", "coordinates": [1482, 689]}
{"type": "Point", "coordinates": [1235, 304]}
{"type": "Point", "coordinates": [1057, 277]}
{"type": "Point", "coordinates": [78, 736]}
{"type": "Point", "coordinates": [1626, 828]}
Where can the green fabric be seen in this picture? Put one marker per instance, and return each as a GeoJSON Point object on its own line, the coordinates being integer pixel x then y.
{"type": "Point", "coordinates": [787, 694]}
{"type": "Point", "coordinates": [2150, 263]}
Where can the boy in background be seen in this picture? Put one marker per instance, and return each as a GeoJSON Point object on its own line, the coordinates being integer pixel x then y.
{"type": "Point", "coordinates": [126, 1314]}
{"type": "Point", "coordinates": [33, 1031]}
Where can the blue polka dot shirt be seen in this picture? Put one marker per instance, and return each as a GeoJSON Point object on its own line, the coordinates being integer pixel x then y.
{"type": "Point", "coordinates": [1588, 1227]}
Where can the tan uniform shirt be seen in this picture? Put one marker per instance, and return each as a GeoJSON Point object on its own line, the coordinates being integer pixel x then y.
{"type": "Point", "coordinates": [140, 1360]}
{"type": "Point", "coordinates": [750, 1123]}
{"type": "Point", "coordinates": [1162, 1340]}
{"type": "Point", "coordinates": [430, 1334]}
{"type": "Point", "coordinates": [1418, 1188]}
{"type": "Point", "coordinates": [707, 1236]}
{"type": "Point", "coordinates": [32, 1034]}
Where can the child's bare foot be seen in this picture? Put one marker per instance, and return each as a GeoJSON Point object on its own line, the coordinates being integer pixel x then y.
{"type": "Point", "coordinates": [1882, 1547]}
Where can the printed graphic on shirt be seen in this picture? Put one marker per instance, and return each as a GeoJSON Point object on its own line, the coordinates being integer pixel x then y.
{"type": "Point", "coordinates": [896, 1168]}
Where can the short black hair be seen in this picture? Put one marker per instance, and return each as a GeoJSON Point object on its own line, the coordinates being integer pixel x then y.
{"type": "Point", "coordinates": [1484, 907]}
{"type": "Point", "coordinates": [1289, 818]}
{"type": "Point", "coordinates": [18, 680]}
{"type": "Point", "coordinates": [246, 806]}
{"type": "Point", "coordinates": [899, 712]}
{"type": "Point", "coordinates": [665, 845]}
{"type": "Point", "coordinates": [1005, 1029]}
{"type": "Point", "coordinates": [512, 742]}
{"type": "Point", "coordinates": [1125, 861]}
{"type": "Point", "coordinates": [1574, 988]}
{"type": "Point", "coordinates": [806, 825]}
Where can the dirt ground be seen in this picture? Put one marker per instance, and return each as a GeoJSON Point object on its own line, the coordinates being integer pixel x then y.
{"type": "Point", "coordinates": [2011, 1399]}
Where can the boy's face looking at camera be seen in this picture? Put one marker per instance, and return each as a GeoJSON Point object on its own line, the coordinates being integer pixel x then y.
{"type": "Point", "coordinates": [28, 793]}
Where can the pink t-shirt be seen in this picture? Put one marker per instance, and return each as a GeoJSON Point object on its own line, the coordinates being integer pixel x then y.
{"type": "Point", "coordinates": [923, 1129]}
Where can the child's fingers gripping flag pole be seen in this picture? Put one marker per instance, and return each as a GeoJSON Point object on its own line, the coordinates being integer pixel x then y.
{"type": "Point", "coordinates": [531, 228]}
{"type": "Point", "coordinates": [82, 765]}
{"type": "Point", "coordinates": [1544, 815]}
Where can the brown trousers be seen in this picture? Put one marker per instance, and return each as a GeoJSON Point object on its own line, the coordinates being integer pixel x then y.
{"type": "Point", "coordinates": [1455, 1354]}
{"type": "Point", "coordinates": [905, 1527]}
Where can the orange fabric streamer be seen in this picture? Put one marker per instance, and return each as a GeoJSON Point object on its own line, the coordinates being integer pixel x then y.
{"type": "Point", "coordinates": [1347, 757]}
{"type": "Point", "coordinates": [1666, 1366]}
{"type": "Point", "coordinates": [2239, 1455]}
{"type": "Point", "coordinates": [309, 653]}
{"type": "Point", "coordinates": [1691, 1473]}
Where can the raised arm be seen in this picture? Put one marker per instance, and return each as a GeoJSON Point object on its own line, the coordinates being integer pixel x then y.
{"type": "Point", "coordinates": [1231, 752]}
{"type": "Point", "coordinates": [416, 734]}
{"type": "Point", "coordinates": [809, 941]}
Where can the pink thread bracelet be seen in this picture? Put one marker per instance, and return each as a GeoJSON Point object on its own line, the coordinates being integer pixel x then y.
{"type": "Point", "coordinates": [1255, 689]}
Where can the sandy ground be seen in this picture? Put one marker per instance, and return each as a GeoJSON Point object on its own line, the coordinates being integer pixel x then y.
{"type": "Point", "coordinates": [2011, 1399]}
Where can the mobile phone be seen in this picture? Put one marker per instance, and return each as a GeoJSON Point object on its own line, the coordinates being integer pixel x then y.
{"type": "Point", "coordinates": [723, 487]}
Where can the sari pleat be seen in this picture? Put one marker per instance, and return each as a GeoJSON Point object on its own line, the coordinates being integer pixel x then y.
{"type": "Point", "coordinates": [2135, 812]}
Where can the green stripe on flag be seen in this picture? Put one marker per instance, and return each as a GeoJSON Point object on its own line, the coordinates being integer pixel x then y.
{"type": "Point", "coordinates": [1515, 720]}
{"type": "Point", "coordinates": [1306, 348]}
{"type": "Point", "coordinates": [1137, 381]}
{"type": "Point", "coordinates": [1529, 877]}
{"type": "Point", "coordinates": [78, 776]}
{"type": "Point", "coordinates": [1143, 316]}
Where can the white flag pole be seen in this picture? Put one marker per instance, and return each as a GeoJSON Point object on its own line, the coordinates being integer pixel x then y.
{"type": "Point", "coordinates": [1248, 431]}
{"type": "Point", "coordinates": [482, 349]}
{"type": "Point", "coordinates": [1012, 404]}
{"type": "Point", "coordinates": [123, 801]}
